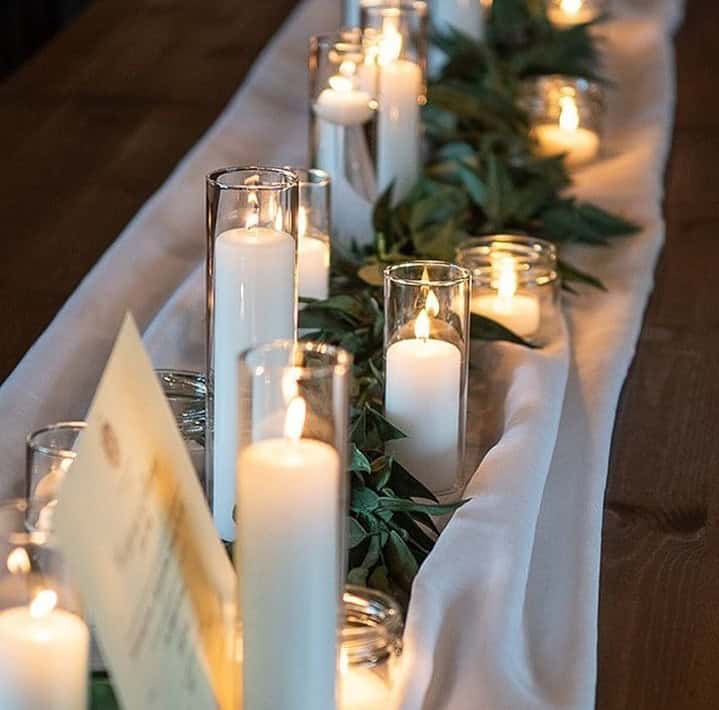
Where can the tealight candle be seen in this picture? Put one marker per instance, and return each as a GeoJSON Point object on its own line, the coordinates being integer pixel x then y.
{"type": "Point", "coordinates": [424, 389]}
{"type": "Point", "coordinates": [518, 312]}
{"type": "Point", "coordinates": [253, 300]}
{"type": "Point", "coordinates": [43, 656]}
{"type": "Point", "coordinates": [579, 144]}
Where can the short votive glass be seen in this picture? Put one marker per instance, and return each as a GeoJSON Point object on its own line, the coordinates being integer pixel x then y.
{"type": "Point", "coordinates": [291, 517]}
{"type": "Point", "coordinates": [186, 391]}
{"type": "Point", "coordinates": [251, 299]}
{"type": "Point", "coordinates": [567, 13]}
{"type": "Point", "coordinates": [49, 453]}
{"type": "Point", "coordinates": [426, 366]}
{"type": "Point", "coordinates": [514, 283]}
{"type": "Point", "coordinates": [343, 131]}
{"type": "Point", "coordinates": [371, 648]}
{"type": "Point", "coordinates": [565, 116]}
{"type": "Point", "coordinates": [44, 639]}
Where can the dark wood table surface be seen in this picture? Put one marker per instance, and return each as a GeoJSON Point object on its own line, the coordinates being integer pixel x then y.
{"type": "Point", "coordinates": [97, 120]}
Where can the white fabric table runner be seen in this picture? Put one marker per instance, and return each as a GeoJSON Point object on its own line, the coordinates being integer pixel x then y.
{"type": "Point", "coordinates": [504, 610]}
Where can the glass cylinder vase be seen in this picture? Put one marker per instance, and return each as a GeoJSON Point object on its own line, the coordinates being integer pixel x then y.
{"type": "Point", "coordinates": [291, 517]}
{"type": "Point", "coordinates": [371, 647]}
{"type": "Point", "coordinates": [342, 132]}
{"type": "Point", "coordinates": [251, 299]}
{"type": "Point", "coordinates": [565, 115]}
{"type": "Point", "coordinates": [44, 640]}
{"type": "Point", "coordinates": [394, 39]}
{"type": "Point", "coordinates": [514, 283]}
{"type": "Point", "coordinates": [426, 369]}
{"type": "Point", "coordinates": [313, 233]}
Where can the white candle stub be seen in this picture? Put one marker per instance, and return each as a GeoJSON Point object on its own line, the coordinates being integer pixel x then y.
{"type": "Point", "coordinates": [288, 492]}
{"type": "Point", "coordinates": [518, 312]}
{"type": "Point", "coordinates": [254, 303]}
{"type": "Point", "coordinates": [313, 260]}
{"type": "Point", "coordinates": [342, 104]}
{"type": "Point", "coordinates": [422, 398]}
{"type": "Point", "coordinates": [43, 656]}
{"type": "Point", "coordinates": [580, 144]}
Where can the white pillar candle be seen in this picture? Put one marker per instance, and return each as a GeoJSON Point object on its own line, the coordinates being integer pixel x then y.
{"type": "Point", "coordinates": [580, 144]}
{"type": "Point", "coordinates": [422, 398]}
{"type": "Point", "coordinates": [571, 12]}
{"type": "Point", "coordinates": [254, 303]}
{"type": "Point", "coordinates": [518, 312]}
{"type": "Point", "coordinates": [313, 260]}
{"type": "Point", "coordinates": [398, 123]}
{"type": "Point", "coordinates": [43, 657]}
{"type": "Point", "coordinates": [288, 566]}
{"type": "Point", "coordinates": [341, 112]}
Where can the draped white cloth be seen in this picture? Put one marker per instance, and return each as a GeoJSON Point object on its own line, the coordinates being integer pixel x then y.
{"type": "Point", "coordinates": [504, 610]}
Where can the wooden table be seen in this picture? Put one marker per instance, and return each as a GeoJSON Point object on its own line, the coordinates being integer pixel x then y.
{"type": "Point", "coordinates": [92, 126]}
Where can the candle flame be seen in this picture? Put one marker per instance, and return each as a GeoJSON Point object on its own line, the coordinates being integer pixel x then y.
{"type": "Point", "coordinates": [43, 603]}
{"type": "Point", "coordinates": [431, 305]}
{"type": "Point", "coordinates": [506, 280]}
{"type": "Point", "coordinates": [343, 84]}
{"type": "Point", "coordinates": [295, 419]}
{"type": "Point", "coordinates": [253, 218]}
{"type": "Point", "coordinates": [390, 41]}
{"type": "Point", "coordinates": [568, 116]}
{"type": "Point", "coordinates": [18, 561]}
{"type": "Point", "coordinates": [571, 7]}
{"type": "Point", "coordinates": [421, 325]}
{"type": "Point", "coordinates": [301, 222]}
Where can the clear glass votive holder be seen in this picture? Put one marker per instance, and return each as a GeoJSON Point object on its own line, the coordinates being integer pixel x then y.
{"type": "Point", "coordinates": [567, 13]}
{"type": "Point", "coordinates": [426, 369]}
{"type": "Point", "coordinates": [565, 115]}
{"type": "Point", "coordinates": [515, 283]}
{"type": "Point", "coordinates": [49, 453]}
{"type": "Point", "coordinates": [394, 39]}
{"type": "Point", "coordinates": [313, 233]}
{"type": "Point", "coordinates": [251, 299]}
{"type": "Point", "coordinates": [291, 517]}
{"type": "Point", "coordinates": [371, 647]}
{"type": "Point", "coordinates": [186, 391]}
{"type": "Point", "coordinates": [44, 640]}
{"type": "Point", "coordinates": [343, 131]}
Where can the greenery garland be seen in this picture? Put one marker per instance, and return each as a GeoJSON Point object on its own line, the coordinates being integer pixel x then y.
{"type": "Point", "coordinates": [481, 177]}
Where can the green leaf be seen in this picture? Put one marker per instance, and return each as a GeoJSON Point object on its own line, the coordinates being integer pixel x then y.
{"type": "Point", "coordinates": [400, 560]}
{"type": "Point", "coordinates": [363, 500]}
{"type": "Point", "coordinates": [409, 506]}
{"type": "Point", "coordinates": [359, 461]}
{"type": "Point", "coordinates": [572, 274]}
{"type": "Point", "coordinates": [357, 534]}
{"type": "Point", "coordinates": [482, 328]}
{"type": "Point", "coordinates": [102, 696]}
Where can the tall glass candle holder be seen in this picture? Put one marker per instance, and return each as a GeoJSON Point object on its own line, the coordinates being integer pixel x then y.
{"type": "Point", "coordinates": [44, 641]}
{"type": "Point", "coordinates": [514, 282]}
{"type": "Point", "coordinates": [426, 362]}
{"type": "Point", "coordinates": [565, 116]}
{"type": "Point", "coordinates": [342, 131]}
{"type": "Point", "coordinates": [394, 37]}
{"type": "Point", "coordinates": [251, 298]}
{"type": "Point", "coordinates": [567, 13]}
{"type": "Point", "coordinates": [371, 646]}
{"type": "Point", "coordinates": [313, 233]}
{"type": "Point", "coordinates": [291, 516]}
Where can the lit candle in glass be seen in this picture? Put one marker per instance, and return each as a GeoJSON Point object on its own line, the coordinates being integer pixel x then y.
{"type": "Point", "coordinates": [518, 312]}
{"type": "Point", "coordinates": [565, 115]}
{"type": "Point", "coordinates": [425, 384]}
{"type": "Point", "coordinates": [567, 13]}
{"type": "Point", "coordinates": [395, 39]}
{"type": "Point", "coordinates": [251, 298]}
